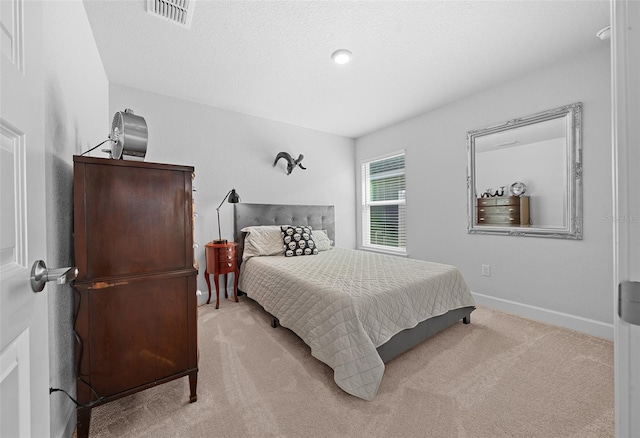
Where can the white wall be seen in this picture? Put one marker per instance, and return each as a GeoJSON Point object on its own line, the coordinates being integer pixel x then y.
{"type": "Point", "coordinates": [76, 118]}
{"type": "Point", "coordinates": [233, 150]}
{"type": "Point", "coordinates": [565, 282]}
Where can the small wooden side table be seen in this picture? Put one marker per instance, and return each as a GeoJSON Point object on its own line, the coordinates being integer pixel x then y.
{"type": "Point", "coordinates": [221, 260]}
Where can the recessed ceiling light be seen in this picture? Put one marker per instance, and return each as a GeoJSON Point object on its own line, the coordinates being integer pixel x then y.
{"type": "Point", "coordinates": [341, 56]}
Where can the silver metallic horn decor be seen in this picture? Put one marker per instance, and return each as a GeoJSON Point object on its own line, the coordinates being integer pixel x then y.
{"type": "Point", "coordinates": [291, 163]}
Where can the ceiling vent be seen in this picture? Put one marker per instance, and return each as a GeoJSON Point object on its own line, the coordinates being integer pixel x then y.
{"type": "Point", "coordinates": [176, 11]}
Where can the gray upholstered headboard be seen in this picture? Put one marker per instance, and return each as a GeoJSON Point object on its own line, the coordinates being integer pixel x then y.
{"type": "Point", "coordinates": [320, 217]}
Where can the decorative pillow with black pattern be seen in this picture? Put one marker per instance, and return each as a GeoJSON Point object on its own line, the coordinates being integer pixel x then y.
{"type": "Point", "coordinates": [298, 241]}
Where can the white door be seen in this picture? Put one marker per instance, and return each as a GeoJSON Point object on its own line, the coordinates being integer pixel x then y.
{"type": "Point", "coordinates": [625, 21]}
{"type": "Point", "coordinates": [24, 343]}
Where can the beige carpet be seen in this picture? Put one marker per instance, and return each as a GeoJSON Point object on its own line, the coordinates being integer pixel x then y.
{"type": "Point", "coordinates": [500, 376]}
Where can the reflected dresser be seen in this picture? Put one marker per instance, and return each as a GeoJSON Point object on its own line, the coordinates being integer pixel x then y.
{"type": "Point", "coordinates": [503, 211]}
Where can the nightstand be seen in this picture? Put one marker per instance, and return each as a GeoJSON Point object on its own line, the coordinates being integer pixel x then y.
{"type": "Point", "coordinates": [221, 260]}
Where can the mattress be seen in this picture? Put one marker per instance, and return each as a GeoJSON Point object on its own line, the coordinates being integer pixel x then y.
{"type": "Point", "coordinates": [345, 303]}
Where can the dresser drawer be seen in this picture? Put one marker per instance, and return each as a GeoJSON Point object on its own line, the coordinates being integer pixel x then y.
{"type": "Point", "coordinates": [483, 202]}
{"type": "Point", "coordinates": [499, 220]}
{"type": "Point", "coordinates": [226, 257]}
{"type": "Point", "coordinates": [507, 210]}
{"type": "Point", "coordinates": [226, 267]}
{"type": "Point", "coordinates": [225, 253]}
{"type": "Point", "coordinates": [507, 200]}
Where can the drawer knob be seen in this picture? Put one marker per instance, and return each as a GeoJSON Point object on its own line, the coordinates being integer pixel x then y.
{"type": "Point", "coordinates": [512, 219]}
{"type": "Point", "coordinates": [511, 209]}
{"type": "Point", "coordinates": [230, 264]}
{"type": "Point", "coordinates": [229, 249]}
{"type": "Point", "coordinates": [482, 209]}
{"type": "Point", "coordinates": [481, 219]}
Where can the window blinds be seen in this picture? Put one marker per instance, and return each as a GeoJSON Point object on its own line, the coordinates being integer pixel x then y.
{"type": "Point", "coordinates": [384, 210]}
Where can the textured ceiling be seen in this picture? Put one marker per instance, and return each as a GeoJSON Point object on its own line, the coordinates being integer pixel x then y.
{"type": "Point", "coordinates": [271, 59]}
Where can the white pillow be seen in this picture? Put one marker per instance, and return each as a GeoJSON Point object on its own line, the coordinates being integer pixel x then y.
{"type": "Point", "coordinates": [264, 240]}
{"type": "Point", "coordinates": [320, 237]}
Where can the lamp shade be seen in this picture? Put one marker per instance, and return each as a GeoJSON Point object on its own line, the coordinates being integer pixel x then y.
{"type": "Point", "coordinates": [234, 198]}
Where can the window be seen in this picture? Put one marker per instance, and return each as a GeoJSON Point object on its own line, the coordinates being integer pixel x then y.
{"type": "Point", "coordinates": [383, 203]}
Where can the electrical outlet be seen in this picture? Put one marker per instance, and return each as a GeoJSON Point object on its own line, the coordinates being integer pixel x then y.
{"type": "Point", "coordinates": [486, 270]}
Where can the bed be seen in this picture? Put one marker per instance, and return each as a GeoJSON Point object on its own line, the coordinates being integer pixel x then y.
{"type": "Point", "coordinates": [355, 309]}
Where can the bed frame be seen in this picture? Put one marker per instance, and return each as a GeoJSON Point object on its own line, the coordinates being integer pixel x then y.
{"type": "Point", "coordinates": [322, 217]}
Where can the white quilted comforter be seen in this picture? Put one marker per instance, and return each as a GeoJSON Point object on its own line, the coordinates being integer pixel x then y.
{"type": "Point", "coordinates": [345, 303]}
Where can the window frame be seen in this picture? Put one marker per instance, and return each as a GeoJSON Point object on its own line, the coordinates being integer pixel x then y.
{"type": "Point", "coordinates": [366, 203]}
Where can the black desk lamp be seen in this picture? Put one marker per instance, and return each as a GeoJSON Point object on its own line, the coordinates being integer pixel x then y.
{"type": "Point", "coordinates": [234, 198]}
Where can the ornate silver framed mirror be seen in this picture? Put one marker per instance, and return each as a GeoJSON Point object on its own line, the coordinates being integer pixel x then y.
{"type": "Point", "coordinates": [524, 176]}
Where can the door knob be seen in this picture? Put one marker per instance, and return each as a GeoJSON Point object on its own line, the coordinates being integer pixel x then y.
{"type": "Point", "coordinates": [629, 302]}
{"type": "Point", "coordinates": [40, 274]}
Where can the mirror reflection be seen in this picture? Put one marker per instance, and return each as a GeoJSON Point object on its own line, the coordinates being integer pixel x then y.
{"type": "Point", "coordinates": [524, 176]}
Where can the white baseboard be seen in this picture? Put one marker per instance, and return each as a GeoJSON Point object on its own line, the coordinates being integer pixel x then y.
{"type": "Point", "coordinates": [577, 323]}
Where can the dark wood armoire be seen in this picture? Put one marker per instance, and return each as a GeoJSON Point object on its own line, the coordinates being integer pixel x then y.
{"type": "Point", "coordinates": [135, 294]}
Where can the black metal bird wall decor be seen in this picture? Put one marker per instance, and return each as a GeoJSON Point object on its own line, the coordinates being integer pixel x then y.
{"type": "Point", "coordinates": [291, 163]}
